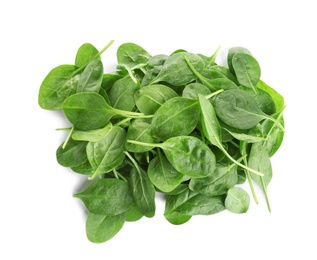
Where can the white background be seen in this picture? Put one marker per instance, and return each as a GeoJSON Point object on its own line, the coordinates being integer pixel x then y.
{"type": "Point", "coordinates": [39, 218]}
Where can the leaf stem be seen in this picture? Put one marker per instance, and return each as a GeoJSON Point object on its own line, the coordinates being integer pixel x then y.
{"type": "Point", "coordinates": [64, 129]}
{"type": "Point", "coordinates": [104, 49]}
{"type": "Point", "coordinates": [247, 173]}
{"type": "Point", "coordinates": [240, 164]}
{"type": "Point", "coordinates": [266, 195]}
{"type": "Point", "coordinates": [213, 94]}
{"type": "Point", "coordinates": [119, 175]}
{"type": "Point", "coordinates": [123, 121]}
{"type": "Point", "coordinates": [144, 144]}
{"type": "Point", "coordinates": [68, 137]}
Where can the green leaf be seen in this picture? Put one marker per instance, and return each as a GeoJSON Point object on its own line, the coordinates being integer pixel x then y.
{"type": "Point", "coordinates": [86, 53]}
{"type": "Point", "coordinates": [143, 192]}
{"type": "Point", "coordinates": [101, 228]}
{"type": "Point", "coordinates": [247, 70]}
{"type": "Point", "coordinates": [133, 214]}
{"type": "Point", "coordinates": [189, 156]}
{"type": "Point", "coordinates": [150, 98]}
{"type": "Point", "coordinates": [121, 94]}
{"type": "Point", "coordinates": [139, 131]}
{"type": "Point", "coordinates": [59, 84]}
{"type": "Point", "coordinates": [162, 174]}
{"type": "Point", "coordinates": [237, 108]}
{"type": "Point", "coordinates": [81, 108]}
{"type": "Point", "coordinates": [259, 159]}
{"type": "Point", "coordinates": [92, 135]}
{"type": "Point", "coordinates": [237, 200]}
{"type": "Point", "coordinates": [177, 116]}
{"type": "Point", "coordinates": [175, 70]}
{"type": "Point", "coordinates": [107, 153]}
{"type": "Point", "coordinates": [232, 51]}
{"type": "Point", "coordinates": [73, 154]}
{"type": "Point", "coordinates": [107, 197]}
{"type": "Point", "coordinates": [131, 55]}
{"type": "Point", "coordinates": [278, 99]}
{"type": "Point", "coordinates": [91, 77]}
{"type": "Point", "coordinates": [218, 183]}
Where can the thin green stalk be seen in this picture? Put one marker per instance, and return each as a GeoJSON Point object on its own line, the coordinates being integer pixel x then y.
{"type": "Point", "coordinates": [143, 144]}
{"type": "Point", "coordinates": [213, 57]}
{"type": "Point", "coordinates": [247, 173]}
{"type": "Point", "coordinates": [214, 94]}
{"type": "Point", "coordinates": [266, 195]}
{"type": "Point", "coordinates": [68, 137]}
{"type": "Point", "coordinates": [238, 163]}
{"type": "Point", "coordinates": [123, 121]}
{"type": "Point", "coordinates": [118, 175]}
{"type": "Point", "coordinates": [64, 129]}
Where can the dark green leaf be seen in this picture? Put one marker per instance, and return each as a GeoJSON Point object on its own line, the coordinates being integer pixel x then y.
{"type": "Point", "coordinates": [107, 153]}
{"type": "Point", "coordinates": [107, 197]}
{"type": "Point", "coordinates": [59, 84]}
{"type": "Point", "coordinates": [101, 228]}
{"type": "Point", "coordinates": [177, 116]}
{"type": "Point", "coordinates": [73, 154]}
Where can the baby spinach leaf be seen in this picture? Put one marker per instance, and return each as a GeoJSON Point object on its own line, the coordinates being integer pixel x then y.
{"type": "Point", "coordinates": [218, 183]}
{"type": "Point", "coordinates": [252, 135]}
{"type": "Point", "coordinates": [59, 84]}
{"type": "Point", "coordinates": [175, 70]}
{"type": "Point", "coordinates": [91, 77]}
{"type": "Point", "coordinates": [259, 159]}
{"type": "Point", "coordinates": [90, 111]}
{"type": "Point", "coordinates": [121, 94]}
{"type": "Point", "coordinates": [237, 200]}
{"type": "Point", "coordinates": [212, 84]}
{"type": "Point", "coordinates": [142, 190]}
{"type": "Point", "coordinates": [247, 70]}
{"type": "Point", "coordinates": [107, 153]}
{"type": "Point", "coordinates": [133, 214]}
{"type": "Point", "coordinates": [84, 168]}
{"type": "Point", "coordinates": [189, 156]}
{"type": "Point", "coordinates": [92, 135]}
{"type": "Point", "coordinates": [132, 55]}
{"type": "Point", "coordinates": [109, 79]}
{"type": "Point", "coordinates": [273, 134]}
{"type": "Point", "coordinates": [149, 99]}
{"type": "Point", "coordinates": [192, 90]}
{"type": "Point", "coordinates": [73, 154]}
{"type": "Point", "coordinates": [278, 99]}
{"type": "Point", "coordinates": [107, 196]}
{"type": "Point", "coordinates": [218, 71]}
{"type": "Point", "coordinates": [237, 108]}
{"type": "Point", "coordinates": [212, 131]}
{"type": "Point", "coordinates": [173, 202]}
{"type": "Point", "coordinates": [153, 68]}
{"type": "Point", "coordinates": [162, 174]}
{"type": "Point", "coordinates": [189, 203]}
{"type": "Point", "coordinates": [101, 228]}
{"type": "Point", "coordinates": [139, 131]}
{"type": "Point", "coordinates": [177, 116]}
{"type": "Point", "coordinates": [201, 205]}
{"type": "Point", "coordinates": [81, 108]}
{"type": "Point", "coordinates": [232, 52]}
{"type": "Point", "coordinates": [86, 53]}
{"type": "Point", "coordinates": [265, 102]}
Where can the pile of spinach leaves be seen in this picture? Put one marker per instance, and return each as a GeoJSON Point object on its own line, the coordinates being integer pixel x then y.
{"type": "Point", "coordinates": [177, 124]}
